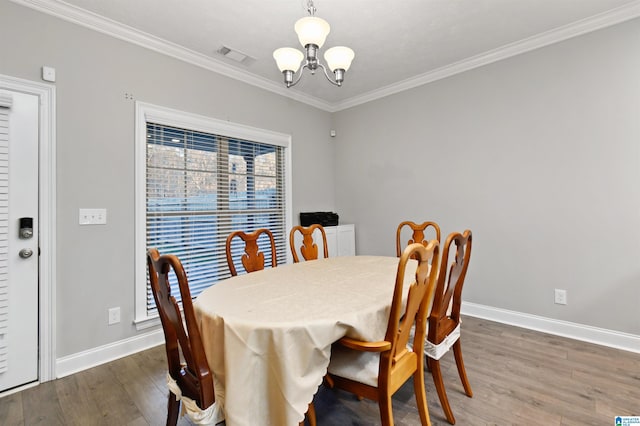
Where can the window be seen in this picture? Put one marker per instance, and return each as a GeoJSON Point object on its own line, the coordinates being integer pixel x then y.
{"type": "Point", "coordinates": [198, 179]}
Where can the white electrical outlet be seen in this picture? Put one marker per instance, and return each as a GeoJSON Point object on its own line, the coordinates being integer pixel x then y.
{"type": "Point", "coordinates": [560, 296]}
{"type": "Point", "coordinates": [92, 216]}
{"type": "Point", "coordinates": [114, 315]}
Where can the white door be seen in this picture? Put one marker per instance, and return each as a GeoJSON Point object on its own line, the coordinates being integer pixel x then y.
{"type": "Point", "coordinates": [19, 254]}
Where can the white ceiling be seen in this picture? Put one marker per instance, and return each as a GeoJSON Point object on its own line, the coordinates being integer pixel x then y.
{"type": "Point", "coordinates": [398, 43]}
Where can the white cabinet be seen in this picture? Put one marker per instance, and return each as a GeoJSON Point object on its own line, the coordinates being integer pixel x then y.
{"type": "Point", "coordinates": [341, 240]}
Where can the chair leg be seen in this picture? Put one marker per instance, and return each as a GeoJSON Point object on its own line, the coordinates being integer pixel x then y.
{"type": "Point", "coordinates": [442, 393]}
{"type": "Point", "coordinates": [310, 416]}
{"type": "Point", "coordinates": [386, 412]}
{"type": "Point", "coordinates": [328, 380]}
{"type": "Point", "coordinates": [173, 409]}
{"type": "Point", "coordinates": [457, 352]}
{"type": "Point", "coordinates": [421, 397]}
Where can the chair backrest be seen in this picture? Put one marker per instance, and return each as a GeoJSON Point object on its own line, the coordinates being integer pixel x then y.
{"type": "Point", "coordinates": [417, 234]}
{"type": "Point", "coordinates": [445, 313]}
{"type": "Point", "coordinates": [193, 376]}
{"type": "Point", "coordinates": [308, 249]}
{"type": "Point", "coordinates": [252, 259]}
{"type": "Point", "coordinates": [419, 299]}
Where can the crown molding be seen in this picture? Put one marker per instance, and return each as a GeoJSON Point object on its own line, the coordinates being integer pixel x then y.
{"type": "Point", "coordinates": [596, 22]}
{"type": "Point", "coordinates": [124, 32]}
{"type": "Point", "coordinates": [115, 29]}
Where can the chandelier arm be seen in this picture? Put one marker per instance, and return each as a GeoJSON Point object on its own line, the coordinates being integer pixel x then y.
{"type": "Point", "coordinates": [299, 75]}
{"type": "Point", "coordinates": [332, 81]}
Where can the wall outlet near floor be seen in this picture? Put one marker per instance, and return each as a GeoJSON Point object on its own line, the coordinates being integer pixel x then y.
{"type": "Point", "coordinates": [560, 296]}
{"type": "Point", "coordinates": [114, 316]}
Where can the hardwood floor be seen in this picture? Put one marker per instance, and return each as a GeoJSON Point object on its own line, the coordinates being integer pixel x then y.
{"type": "Point", "coordinates": [518, 377]}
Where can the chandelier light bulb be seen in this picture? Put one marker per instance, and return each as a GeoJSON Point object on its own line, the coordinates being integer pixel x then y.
{"type": "Point", "coordinates": [288, 59]}
{"type": "Point", "coordinates": [339, 57]}
{"type": "Point", "coordinates": [312, 30]}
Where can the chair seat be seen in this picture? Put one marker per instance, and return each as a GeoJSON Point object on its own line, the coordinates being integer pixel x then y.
{"type": "Point", "coordinates": [354, 365]}
{"type": "Point", "coordinates": [437, 351]}
{"type": "Point", "coordinates": [362, 367]}
{"type": "Point", "coordinates": [211, 416]}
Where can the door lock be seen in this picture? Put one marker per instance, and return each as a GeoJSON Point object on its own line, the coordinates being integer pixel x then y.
{"type": "Point", "coordinates": [25, 253]}
{"type": "Point", "coordinates": [26, 228]}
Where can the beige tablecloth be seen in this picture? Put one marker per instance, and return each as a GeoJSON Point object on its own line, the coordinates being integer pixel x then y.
{"type": "Point", "coordinates": [268, 334]}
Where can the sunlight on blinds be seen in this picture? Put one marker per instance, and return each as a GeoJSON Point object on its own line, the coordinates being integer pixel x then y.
{"type": "Point", "coordinates": [201, 187]}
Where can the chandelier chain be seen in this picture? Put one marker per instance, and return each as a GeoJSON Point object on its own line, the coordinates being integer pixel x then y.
{"type": "Point", "coordinates": [311, 8]}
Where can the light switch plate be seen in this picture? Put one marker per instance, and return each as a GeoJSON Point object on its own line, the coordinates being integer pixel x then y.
{"type": "Point", "coordinates": [92, 216]}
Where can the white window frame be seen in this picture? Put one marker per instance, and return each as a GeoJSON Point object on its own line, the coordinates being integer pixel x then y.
{"type": "Point", "coordinates": [144, 113]}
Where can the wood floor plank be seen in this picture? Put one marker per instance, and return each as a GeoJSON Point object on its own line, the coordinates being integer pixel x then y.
{"type": "Point", "coordinates": [607, 408]}
{"type": "Point", "coordinates": [140, 421]}
{"type": "Point", "coordinates": [154, 363]}
{"type": "Point", "coordinates": [11, 411]}
{"type": "Point", "coordinates": [114, 404]}
{"type": "Point", "coordinates": [147, 398]}
{"type": "Point", "coordinates": [519, 377]}
{"type": "Point", "coordinates": [41, 406]}
{"type": "Point", "coordinates": [78, 405]}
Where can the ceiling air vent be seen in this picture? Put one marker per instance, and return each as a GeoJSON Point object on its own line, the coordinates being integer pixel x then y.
{"type": "Point", "coordinates": [235, 55]}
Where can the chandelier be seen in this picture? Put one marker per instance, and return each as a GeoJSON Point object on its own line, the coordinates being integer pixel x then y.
{"type": "Point", "coordinates": [312, 32]}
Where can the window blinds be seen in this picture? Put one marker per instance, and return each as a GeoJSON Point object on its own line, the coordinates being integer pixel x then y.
{"type": "Point", "coordinates": [200, 187]}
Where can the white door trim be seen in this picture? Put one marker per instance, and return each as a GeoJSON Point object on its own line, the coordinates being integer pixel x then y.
{"type": "Point", "coordinates": [47, 212]}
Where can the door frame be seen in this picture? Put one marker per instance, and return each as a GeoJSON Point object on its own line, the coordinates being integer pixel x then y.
{"type": "Point", "coordinates": [47, 219]}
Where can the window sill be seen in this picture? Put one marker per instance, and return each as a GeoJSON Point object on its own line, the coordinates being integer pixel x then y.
{"type": "Point", "coordinates": [148, 322]}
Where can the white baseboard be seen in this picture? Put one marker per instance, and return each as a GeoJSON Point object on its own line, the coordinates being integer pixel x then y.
{"type": "Point", "coordinates": [629, 342]}
{"type": "Point", "coordinates": [90, 358]}
{"type": "Point", "coordinates": [586, 333]}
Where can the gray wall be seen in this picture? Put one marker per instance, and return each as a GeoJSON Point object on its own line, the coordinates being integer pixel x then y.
{"type": "Point", "coordinates": [95, 153]}
{"type": "Point", "coordinates": [539, 155]}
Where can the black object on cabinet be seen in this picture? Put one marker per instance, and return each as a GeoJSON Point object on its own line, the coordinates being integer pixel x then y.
{"type": "Point", "coordinates": [321, 218]}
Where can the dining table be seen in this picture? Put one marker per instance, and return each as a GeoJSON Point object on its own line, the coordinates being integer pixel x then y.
{"type": "Point", "coordinates": [268, 334]}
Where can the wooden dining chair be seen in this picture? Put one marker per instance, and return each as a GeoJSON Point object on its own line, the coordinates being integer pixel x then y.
{"type": "Point", "coordinates": [191, 381]}
{"type": "Point", "coordinates": [417, 234]}
{"type": "Point", "coordinates": [444, 319]}
{"type": "Point", "coordinates": [252, 259]}
{"type": "Point", "coordinates": [308, 249]}
{"type": "Point", "coordinates": [376, 370]}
